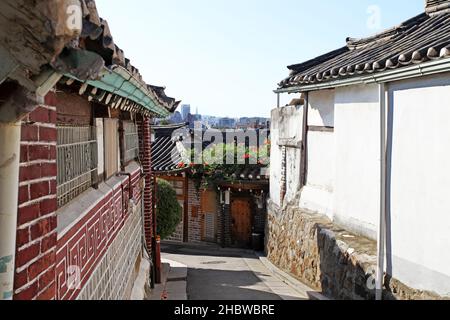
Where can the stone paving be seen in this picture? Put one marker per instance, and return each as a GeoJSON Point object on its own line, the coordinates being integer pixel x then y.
{"type": "Point", "coordinates": [227, 274]}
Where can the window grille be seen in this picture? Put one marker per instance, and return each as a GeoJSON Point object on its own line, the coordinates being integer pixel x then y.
{"type": "Point", "coordinates": [76, 161]}
{"type": "Point", "coordinates": [131, 141]}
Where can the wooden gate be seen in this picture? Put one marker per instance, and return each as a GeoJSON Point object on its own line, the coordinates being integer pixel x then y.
{"type": "Point", "coordinates": [241, 214]}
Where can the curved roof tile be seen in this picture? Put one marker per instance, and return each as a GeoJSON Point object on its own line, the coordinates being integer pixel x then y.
{"type": "Point", "coordinates": [420, 39]}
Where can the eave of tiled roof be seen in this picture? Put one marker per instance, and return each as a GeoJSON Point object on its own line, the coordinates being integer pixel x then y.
{"type": "Point", "coordinates": [166, 157]}
{"type": "Point", "coordinates": [422, 39]}
{"type": "Point", "coordinates": [96, 37]}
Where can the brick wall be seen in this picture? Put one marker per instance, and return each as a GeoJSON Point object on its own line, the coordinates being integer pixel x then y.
{"type": "Point", "coordinates": [36, 233]}
{"type": "Point", "coordinates": [177, 236]}
{"type": "Point", "coordinates": [145, 155]}
{"type": "Point", "coordinates": [195, 213]}
{"type": "Point", "coordinates": [44, 254]}
{"type": "Point", "coordinates": [224, 237]}
{"type": "Point", "coordinates": [260, 217]}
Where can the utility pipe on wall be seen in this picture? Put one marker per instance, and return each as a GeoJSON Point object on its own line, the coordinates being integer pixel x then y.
{"type": "Point", "coordinates": [383, 204]}
{"type": "Point", "coordinates": [9, 189]}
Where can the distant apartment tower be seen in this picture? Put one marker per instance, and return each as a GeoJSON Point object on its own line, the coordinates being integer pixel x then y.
{"type": "Point", "coordinates": [185, 111]}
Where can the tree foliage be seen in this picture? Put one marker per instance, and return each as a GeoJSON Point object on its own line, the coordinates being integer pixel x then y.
{"type": "Point", "coordinates": [169, 211]}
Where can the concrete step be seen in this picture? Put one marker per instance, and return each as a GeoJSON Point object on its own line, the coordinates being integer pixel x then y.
{"type": "Point", "coordinates": [173, 282]}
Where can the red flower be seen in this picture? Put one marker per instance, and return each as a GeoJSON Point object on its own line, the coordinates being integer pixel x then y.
{"type": "Point", "coordinates": [247, 156]}
{"type": "Point", "coordinates": [181, 165]}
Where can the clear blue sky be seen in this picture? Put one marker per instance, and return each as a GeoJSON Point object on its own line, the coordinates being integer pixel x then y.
{"type": "Point", "coordinates": [227, 56]}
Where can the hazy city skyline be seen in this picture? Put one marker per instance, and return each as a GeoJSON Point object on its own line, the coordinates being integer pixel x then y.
{"type": "Point", "coordinates": [238, 50]}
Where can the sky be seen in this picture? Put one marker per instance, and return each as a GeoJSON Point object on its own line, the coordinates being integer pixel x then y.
{"type": "Point", "coordinates": [225, 57]}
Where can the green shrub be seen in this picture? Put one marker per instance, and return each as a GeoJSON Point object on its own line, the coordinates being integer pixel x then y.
{"type": "Point", "coordinates": [169, 211]}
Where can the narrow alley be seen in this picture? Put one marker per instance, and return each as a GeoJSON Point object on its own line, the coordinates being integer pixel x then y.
{"type": "Point", "coordinates": [214, 273]}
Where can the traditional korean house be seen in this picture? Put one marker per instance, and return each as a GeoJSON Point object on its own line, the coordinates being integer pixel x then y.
{"type": "Point", "coordinates": [242, 213]}
{"type": "Point", "coordinates": [75, 171]}
{"type": "Point", "coordinates": [360, 167]}
{"type": "Point", "coordinates": [230, 211]}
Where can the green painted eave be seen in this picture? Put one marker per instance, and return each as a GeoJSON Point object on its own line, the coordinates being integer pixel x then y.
{"type": "Point", "coordinates": [122, 83]}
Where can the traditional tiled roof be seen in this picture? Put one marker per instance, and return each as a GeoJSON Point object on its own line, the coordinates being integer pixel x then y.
{"type": "Point", "coordinates": [85, 54]}
{"type": "Point", "coordinates": [251, 173]}
{"type": "Point", "coordinates": [423, 38]}
{"type": "Point", "coordinates": [166, 156]}
{"type": "Point", "coordinates": [96, 37]}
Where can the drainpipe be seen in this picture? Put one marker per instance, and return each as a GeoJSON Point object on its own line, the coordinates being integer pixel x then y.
{"type": "Point", "coordinates": [383, 205]}
{"type": "Point", "coordinates": [9, 189]}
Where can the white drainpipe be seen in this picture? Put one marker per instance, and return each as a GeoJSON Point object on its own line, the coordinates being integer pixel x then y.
{"type": "Point", "coordinates": [383, 178]}
{"type": "Point", "coordinates": [9, 189]}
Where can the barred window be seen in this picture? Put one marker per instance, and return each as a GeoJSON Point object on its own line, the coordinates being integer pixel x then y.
{"type": "Point", "coordinates": [76, 161]}
{"type": "Point", "coordinates": [131, 141]}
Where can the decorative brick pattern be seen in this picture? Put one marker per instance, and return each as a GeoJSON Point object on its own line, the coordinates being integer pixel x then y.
{"type": "Point", "coordinates": [98, 234]}
{"type": "Point", "coordinates": [36, 229]}
{"type": "Point", "coordinates": [114, 277]}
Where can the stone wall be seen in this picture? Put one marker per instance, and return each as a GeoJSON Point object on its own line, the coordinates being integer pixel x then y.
{"type": "Point", "coordinates": [339, 264]}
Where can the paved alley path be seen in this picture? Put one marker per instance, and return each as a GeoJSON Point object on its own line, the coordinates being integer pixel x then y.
{"type": "Point", "coordinates": [228, 274]}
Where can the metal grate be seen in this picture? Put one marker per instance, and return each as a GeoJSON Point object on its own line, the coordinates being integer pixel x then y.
{"type": "Point", "coordinates": [131, 141]}
{"type": "Point", "coordinates": [76, 160]}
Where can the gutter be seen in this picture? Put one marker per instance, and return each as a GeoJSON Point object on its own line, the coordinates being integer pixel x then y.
{"type": "Point", "coordinates": [9, 189]}
{"type": "Point", "coordinates": [381, 250]}
{"type": "Point", "coordinates": [418, 70]}
{"type": "Point", "coordinates": [120, 81]}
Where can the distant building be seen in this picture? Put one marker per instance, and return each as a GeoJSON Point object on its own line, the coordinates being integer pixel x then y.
{"type": "Point", "coordinates": [227, 123]}
{"type": "Point", "coordinates": [185, 111]}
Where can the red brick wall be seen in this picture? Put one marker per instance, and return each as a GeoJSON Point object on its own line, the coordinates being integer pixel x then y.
{"type": "Point", "coordinates": [145, 154]}
{"type": "Point", "coordinates": [36, 234]}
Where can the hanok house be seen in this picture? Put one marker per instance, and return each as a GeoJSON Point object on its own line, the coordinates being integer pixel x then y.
{"type": "Point", "coordinates": [232, 213]}
{"type": "Point", "coordinates": [360, 171]}
{"type": "Point", "coordinates": [75, 172]}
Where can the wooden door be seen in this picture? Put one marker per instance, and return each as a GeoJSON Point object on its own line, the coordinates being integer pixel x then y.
{"type": "Point", "coordinates": [241, 215]}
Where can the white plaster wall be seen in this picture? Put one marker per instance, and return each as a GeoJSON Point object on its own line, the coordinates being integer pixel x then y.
{"type": "Point", "coordinates": [275, 160]}
{"type": "Point", "coordinates": [321, 108]}
{"type": "Point", "coordinates": [357, 192]}
{"type": "Point", "coordinates": [317, 196]}
{"type": "Point", "coordinates": [420, 184]}
{"type": "Point", "coordinates": [286, 124]}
